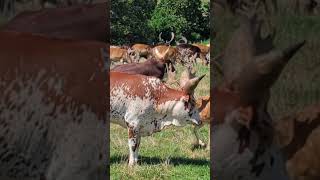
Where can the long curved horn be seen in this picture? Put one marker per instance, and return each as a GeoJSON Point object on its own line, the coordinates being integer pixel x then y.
{"type": "Point", "coordinates": [161, 56]}
{"type": "Point", "coordinates": [259, 75]}
{"type": "Point", "coordinates": [165, 53]}
{"type": "Point", "coordinates": [172, 37]}
{"type": "Point", "coordinates": [157, 52]}
{"type": "Point", "coordinates": [192, 84]}
{"type": "Point", "coordinates": [184, 39]}
{"type": "Point", "coordinates": [160, 39]}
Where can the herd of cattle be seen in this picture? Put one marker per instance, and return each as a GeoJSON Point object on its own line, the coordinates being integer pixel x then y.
{"type": "Point", "coordinates": [53, 84]}
{"type": "Point", "coordinates": [183, 52]}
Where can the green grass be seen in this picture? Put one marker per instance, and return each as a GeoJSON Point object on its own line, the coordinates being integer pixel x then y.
{"type": "Point", "coordinates": [164, 155]}
{"type": "Point", "coordinates": [299, 83]}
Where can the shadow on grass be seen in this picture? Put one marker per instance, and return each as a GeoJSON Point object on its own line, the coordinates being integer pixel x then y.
{"type": "Point", "coordinates": [156, 160]}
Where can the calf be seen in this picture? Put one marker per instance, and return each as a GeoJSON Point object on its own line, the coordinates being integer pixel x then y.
{"type": "Point", "coordinates": [298, 134]}
{"type": "Point", "coordinates": [86, 22]}
{"type": "Point", "coordinates": [144, 105]}
{"type": "Point", "coordinates": [52, 117]}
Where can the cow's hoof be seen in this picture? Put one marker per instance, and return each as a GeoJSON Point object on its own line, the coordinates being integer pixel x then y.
{"type": "Point", "coordinates": [198, 146]}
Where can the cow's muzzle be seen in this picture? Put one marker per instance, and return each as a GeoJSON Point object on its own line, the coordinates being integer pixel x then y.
{"type": "Point", "coordinates": [196, 122]}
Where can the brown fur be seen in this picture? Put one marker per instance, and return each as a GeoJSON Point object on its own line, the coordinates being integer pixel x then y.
{"type": "Point", "coordinates": [48, 127]}
{"type": "Point", "coordinates": [86, 22]}
{"type": "Point", "coordinates": [297, 134]}
{"type": "Point", "coordinates": [170, 56]}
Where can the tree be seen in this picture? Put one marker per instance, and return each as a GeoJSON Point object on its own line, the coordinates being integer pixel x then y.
{"type": "Point", "coordinates": [129, 20]}
{"type": "Point", "coordinates": [184, 17]}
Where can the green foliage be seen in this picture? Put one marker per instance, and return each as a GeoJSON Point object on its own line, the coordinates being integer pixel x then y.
{"type": "Point", "coordinates": [299, 83]}
{"type": "Point", "coordinates": [142, 21]}
{"type": "Point", "coordinates": [187, 17]}
{"type": "Point", "coordinates": [128, 20]}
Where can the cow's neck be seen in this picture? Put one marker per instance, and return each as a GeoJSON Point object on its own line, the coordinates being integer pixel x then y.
{"type": "Point", "coordinates": [164, 97]}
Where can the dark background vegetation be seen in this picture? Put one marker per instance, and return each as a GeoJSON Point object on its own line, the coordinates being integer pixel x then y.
{"type": "Point", "coordinates": [299, 83]}
{"type": "Point", "coordinates": [10, 8]}
{"type": "Point", "coordinates": [142, 21]}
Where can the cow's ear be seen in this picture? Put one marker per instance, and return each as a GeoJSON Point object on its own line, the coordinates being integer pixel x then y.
{"type": "Point", "coordinates": [245, 116]}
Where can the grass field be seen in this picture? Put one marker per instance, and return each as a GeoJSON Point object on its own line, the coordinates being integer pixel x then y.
{"type": "Point", "coordinates": [164, 155]}
{"type": "Point", "coordinates": [299, 84]}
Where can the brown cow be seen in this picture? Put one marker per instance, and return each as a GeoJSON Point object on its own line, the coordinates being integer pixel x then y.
{"type": "Point", "coordinates": [53, 108]}
{"type": "Point", "coordinates": [298, 136]}
{"type": "Point", "coordinates": [86, 22]}
{"type": "Point", "coordinates": [150, 67]}
{"type": "Point", "coordinates": [165, 50]}
{"type": "Point", "coordinates": [204, 52]}
{"type": "Point", "coordinates": [144, 50]}
{"type": "Point", "coordinates": [118, 54]}
{"type": "Point", "coordinates": [203, 104]}
{"type": "Point", "coordinates": [168, 53]}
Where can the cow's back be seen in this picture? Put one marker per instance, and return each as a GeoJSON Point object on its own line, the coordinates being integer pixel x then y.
{"type": "Point", "coordinates": [86, 22]}
{"type": "Point", "coordinates": [52, 103]}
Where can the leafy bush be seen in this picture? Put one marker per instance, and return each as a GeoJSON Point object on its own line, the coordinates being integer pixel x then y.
{"type": "Point", "coordinates": [184, 17]}
{"type": "Point", "coordinates": [129, 20]}
{"type": "Point", "coordinates": [142, 21]}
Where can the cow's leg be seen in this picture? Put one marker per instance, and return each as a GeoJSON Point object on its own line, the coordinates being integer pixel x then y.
{"type": "Point", "coordinates": [133, 142]}
{"type": "Point", "coordinates": [208, 145]}
{"type": "Point", "coordinates": [80, 154]}
{"type": "Point", "coordinates": [197, 141]}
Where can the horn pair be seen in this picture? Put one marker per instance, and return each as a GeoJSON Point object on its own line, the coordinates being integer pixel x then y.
{"type": "Point", "coordinates": [259, 75]}
{"type": "Point", "coordinates": [188, 80]}
{"type": "Point", "coordinates": [167, 42]}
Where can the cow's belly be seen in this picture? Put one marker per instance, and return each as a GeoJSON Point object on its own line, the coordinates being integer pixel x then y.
{"type": "Point", "coordinates": [144, 118]}
{"type": "Point", "coordinates": [146, 123]}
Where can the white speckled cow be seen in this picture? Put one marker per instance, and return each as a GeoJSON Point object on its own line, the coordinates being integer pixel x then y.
{"type": "Point", "coordinates": [242, 130]}
{"type": "Point", "coordinates": [144, 105]}
{"type": "Point", "coordinates": [52, 108]}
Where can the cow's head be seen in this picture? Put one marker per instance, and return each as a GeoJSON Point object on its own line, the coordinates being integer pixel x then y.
{"type": "Point", "coordinates": [184, 110]}
{"type": "Point", "coordinates": [243, 132]}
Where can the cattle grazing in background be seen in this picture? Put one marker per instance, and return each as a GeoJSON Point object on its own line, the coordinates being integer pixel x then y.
{"type": "Point", "coordinates": [185, 46]}
{"type": "Point", "coordinates": [144, 105]}
{"type": "Point", "coordinates": [168, 53]}
{"type": "Point", "coordinates": [121, 55]}
{"type": "Point", "coordinates": [204, 53]}
{"type": "Point", "coordinates": [298, 136]}
{"type": "Point", "coordinates": [85, 22]}
{"type": "Point", "coordinates": [53, 108]}
{"type": "Point", "coordinates": [144, 50]}
{"type": "Point", "coordinates": [150, 67]}
{"type": "Point", "coordinates": [242, 130]}
{"type": "Point", "coordinates": [165, 51]}
{"type": "Point", "coordinates": [202, 103]}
